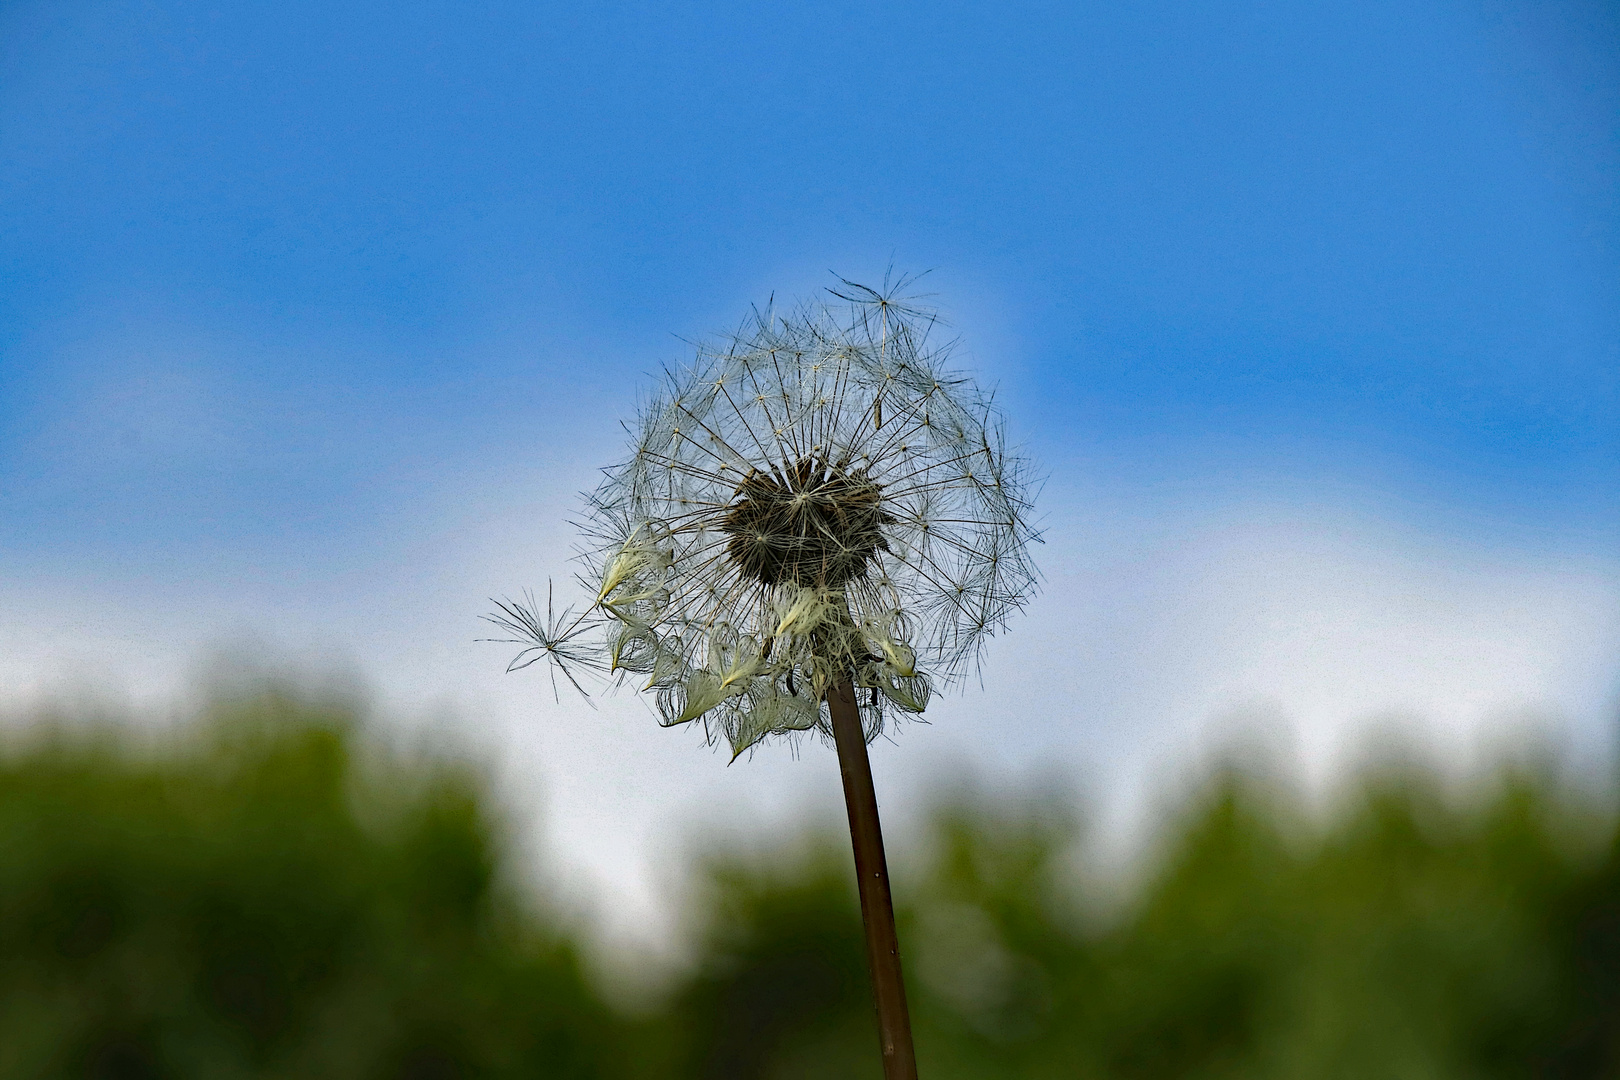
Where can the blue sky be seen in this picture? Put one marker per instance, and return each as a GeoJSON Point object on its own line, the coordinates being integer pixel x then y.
{"type": "Point", "coordinates": [296, 298]}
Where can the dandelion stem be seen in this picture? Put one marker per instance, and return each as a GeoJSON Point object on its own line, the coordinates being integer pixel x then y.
{"type": "Point", "coordinates": [872, 873]}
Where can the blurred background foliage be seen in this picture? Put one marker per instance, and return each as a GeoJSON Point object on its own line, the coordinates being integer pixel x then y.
{"type": "Point", "coordinates": [266, 894]}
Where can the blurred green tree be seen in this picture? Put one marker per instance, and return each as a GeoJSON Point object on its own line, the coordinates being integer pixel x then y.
{"type": "Point", "coordinates": [254, 903]}
{"type": "Point", "coordinates": [261, 895]}
{"type": "Point", "coordinates": [1409, 936]}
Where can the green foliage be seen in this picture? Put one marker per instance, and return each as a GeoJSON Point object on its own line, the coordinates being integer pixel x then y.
{"type": "Point", "coordinates": [781, 987]}
{"type": "Point", "coordinates": [259, 898]}
{"type": "Point", "coordinates": [221, 910]}
{"type": "Point", "coordinates": [1410, 937]}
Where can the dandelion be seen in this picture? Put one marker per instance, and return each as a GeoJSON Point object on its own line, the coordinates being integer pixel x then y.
{"type": "Point", "coordinates": [818, 526]}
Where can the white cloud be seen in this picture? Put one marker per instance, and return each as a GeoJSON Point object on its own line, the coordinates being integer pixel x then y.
{"type": "Point", "coordinates": [1161, 635]}
{"type": "Point", "coordinates": [1322, 630]}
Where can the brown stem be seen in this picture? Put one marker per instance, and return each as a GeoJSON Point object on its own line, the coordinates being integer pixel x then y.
{"type": "Point", "coordinates": [872, 872]}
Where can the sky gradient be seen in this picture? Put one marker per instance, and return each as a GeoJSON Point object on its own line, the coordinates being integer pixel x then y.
{"type": "Point", "coordinates": [313, 319]}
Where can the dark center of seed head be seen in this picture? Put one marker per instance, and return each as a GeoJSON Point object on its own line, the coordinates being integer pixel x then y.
{"type": "Point", "coordinates": [810, 523]}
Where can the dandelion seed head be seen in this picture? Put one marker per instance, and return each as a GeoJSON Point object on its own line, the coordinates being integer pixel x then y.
{"type": "Point", "coordinates": [817, 497]}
